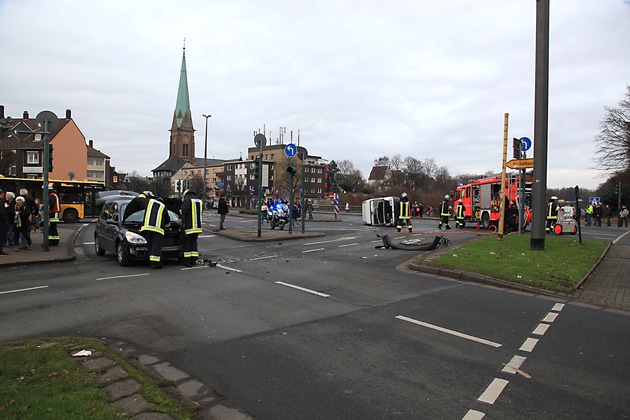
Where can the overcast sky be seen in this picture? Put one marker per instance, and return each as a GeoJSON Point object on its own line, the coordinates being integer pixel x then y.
{"type": "Point", "coordinates": [360, 79]}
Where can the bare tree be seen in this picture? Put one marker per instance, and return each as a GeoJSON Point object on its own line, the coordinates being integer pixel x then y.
{"type": "Point", "coordinates": [613, 141]}
{"type": "Point", "coordinates": [395, 162]}
{"type": "Point", "coordinates": [382, 161]}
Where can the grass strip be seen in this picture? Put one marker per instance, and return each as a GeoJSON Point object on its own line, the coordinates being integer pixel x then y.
{"type": "Point", "coordinates": [559, 267]}
{"type": "Point", "coordinates": [40, 379]}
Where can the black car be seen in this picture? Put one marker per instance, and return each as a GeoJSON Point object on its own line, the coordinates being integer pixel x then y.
{"type": "Point", "coordinates": [123, 237]}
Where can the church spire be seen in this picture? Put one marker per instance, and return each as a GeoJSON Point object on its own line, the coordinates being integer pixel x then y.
{"type": "Point", "coordinates": [182, 144]}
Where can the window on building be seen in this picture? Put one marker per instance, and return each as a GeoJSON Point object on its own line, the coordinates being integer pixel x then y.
{"type": "Point", "coordinates": [319, 191]}
{"type": "Point", "coordinates": [312, 179]}
{"type": "Point", "coordinates": [229, 177]}
{"type": "Point", "coordinates": [228, 167]}
{"type": "Point", "coordinates": [319, 180]}
{"type": "Point", "coordinates": [319, 170]}
{"type": "Point", "coordinates": [185, 149]}
{"type": "Point", "coordinates": [272, 156]}
{"type": "Point", "coordinates": [32, 158]}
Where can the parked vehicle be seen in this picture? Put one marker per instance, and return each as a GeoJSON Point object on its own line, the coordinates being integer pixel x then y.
{"type": "Point", "coordinates": [123, 237]}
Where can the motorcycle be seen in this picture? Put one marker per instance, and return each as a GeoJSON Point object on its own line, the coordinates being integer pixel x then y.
{"type": "Point", "coordinates": [278, 219]}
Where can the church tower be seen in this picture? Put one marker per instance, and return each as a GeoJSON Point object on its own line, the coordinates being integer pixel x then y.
{"type": "Point", "coordinates": [182, 142]}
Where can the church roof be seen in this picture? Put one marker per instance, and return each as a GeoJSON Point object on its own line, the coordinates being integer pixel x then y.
{"type": "Point", "coordinates": [173, 164]}
{"type": "Point", "coordinates": [182, 107]}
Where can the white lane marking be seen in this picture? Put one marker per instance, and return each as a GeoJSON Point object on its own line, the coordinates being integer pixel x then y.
{"type": "Point", "coordinates": [447, 331]}
{"type": "Point", "coordinates": [122, 277]}
{"type": "Point", "coordinates": [88, 243]}
{"type": "Point", "coordinates": [558, 307]}
{"type": "Point", "coordinates": [303, 289]}
{"type": "Point", "coordinates": [541, 329]}
{"type": "Point", "coordinates": [264, 258]}
{"type": "Point", "coordinates": [229, 268]}
{"type": "Point", "coordinates": [207, 236]}
{"type": "Point", "coordinates": [529, 344]}
{"type": "Point", "coordinates": [23, 290]}
{"type": "Point", "coordinates": [346, 238]}
{"type": "Point", "coordinates": [551, 316]}
{"type": "Point", "coordinates": [514, 364]}
{"type": "Point", "coordinates": [473, 415]}
{"type": "Point", "coordinates": [313, 250]}
{"type": "Point", "coordinates": [343, 246]}
{"type": "Point", "coordinates": [493, 391]}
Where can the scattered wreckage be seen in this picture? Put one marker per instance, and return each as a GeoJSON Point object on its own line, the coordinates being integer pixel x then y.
{"type": "Point", "coordinates": [413, 244]}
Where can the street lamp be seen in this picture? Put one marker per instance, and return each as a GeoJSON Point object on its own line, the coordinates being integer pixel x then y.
{"type": "Point", "coordinates": [205, 163]}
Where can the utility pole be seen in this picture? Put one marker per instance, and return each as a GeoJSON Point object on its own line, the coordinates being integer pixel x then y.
{"type": "Point", "coordinates": [205, 165]}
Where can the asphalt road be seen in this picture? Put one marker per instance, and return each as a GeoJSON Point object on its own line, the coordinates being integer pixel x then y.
{"type": "Point", "coordinates": [328, 328]}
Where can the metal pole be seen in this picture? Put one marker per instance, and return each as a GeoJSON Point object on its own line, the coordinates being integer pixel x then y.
{"type": "Point", "coordinates": [541, 122]}
{"type": "Point", "coordinates": [302, 196]}
{"type": "Point", "coordinates": [503, 175]}
{"type": "Point", "coordinates": [205, 164]}
{"type": "Point", "coordinates": [46, 199]}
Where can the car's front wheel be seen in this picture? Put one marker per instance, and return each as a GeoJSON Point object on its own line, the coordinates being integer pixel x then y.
{"type": "Point", "coordinates": [97, 246]}
{"type": "Point", "coordinates": [122, 254]}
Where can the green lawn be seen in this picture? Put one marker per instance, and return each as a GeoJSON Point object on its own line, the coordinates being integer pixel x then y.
{"type": "Point", "coordinates": [560, 266]}
{"type": "Point", "coordinates": [39, 379]}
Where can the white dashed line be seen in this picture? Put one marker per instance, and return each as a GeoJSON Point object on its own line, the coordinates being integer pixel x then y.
{"type": "Point", "coordinates": [313, 292]}
{"type": "Point", "coordinates": [122, 277]}
{"type": "Point", "coordinates": [23, 290]}
{"type": "Point", "coordinates": [229, 268]}
{"type": "Point", "coordinates": [514, 364]}
{"type": "Point", "coordinates": [541, 329]}
{"type": "Point", "coordinates": [313, 250]}
{"type": "Point", "coordinates": [558, 307]}
{"type": "Point", "coordinates": [551, 316]}
{"type": "Point", "coordinates": [493, 391]}
{"type": "Point", "coordinates": [473, 415]}
{"type": "Point", "coordinates": [529, 345]}
{"type": "Point", "coordinates": [447, 331]}
{"type": "Point", "coordinates": [343, 246]}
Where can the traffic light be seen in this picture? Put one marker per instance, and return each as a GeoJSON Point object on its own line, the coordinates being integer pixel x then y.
{"type": "Point", "coordinates": [516, 145]}
{"type": "Point", "coordinates": [179, 185]}
{"type": "Point", "coordinates": [257, 168]}
{"type": "Point", "coordinates": [50, 157]}
{"type": "Point", "coordinates": [291, 170]}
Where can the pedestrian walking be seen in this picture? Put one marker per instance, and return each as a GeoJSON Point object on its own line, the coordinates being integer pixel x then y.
{"type": "Point", "coordinates": [53, 218]}
{"type": "Point", "coordinates": [608, 213]}
{"type": "Point", "coordinates": [4, 223]}
{"type": "Point", "coordinates": [222, 211]}
{"type": "Point", "coordinates": [23, 217]}
{"type": "Point", "coordinates": [624, 216]}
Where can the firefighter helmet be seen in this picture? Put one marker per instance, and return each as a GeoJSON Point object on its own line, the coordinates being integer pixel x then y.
{"type": "Point", "coordinates": [403, 195]}
{"type": "Point", "coordinates": [553, 197]}
{"type": "Point", "coordinates": [446, 197]}
{"type": "Point", "coordinates": [189, 192]}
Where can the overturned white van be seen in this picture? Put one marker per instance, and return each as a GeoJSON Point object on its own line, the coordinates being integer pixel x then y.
{"type": "Point", "coordinates": [382, 211]}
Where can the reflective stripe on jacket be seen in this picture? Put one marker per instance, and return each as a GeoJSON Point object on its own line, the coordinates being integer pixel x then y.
{"type": "Point", "coordinates": [153, 217]}
{"type": "Point", "coordinates": [194, 226]}
{"type": "Point", "coordinates": [404, 210]}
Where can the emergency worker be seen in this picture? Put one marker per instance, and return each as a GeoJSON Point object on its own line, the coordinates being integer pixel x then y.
{"type": "Point", "coordinates": [459, 215]}
{"type": "Point", "coordinates": [552, 213]}
{"type": "Point", "coordinates": [155, 219]}
{"type": "Point", "coordinates": [191, 224]}
{"type": "Point", "coordinates": [404, 213]}
{"type": "Point", "coordinates": [53, 218]}
{"type": "Point", "coordinates": [589, 213]}
{"type": "Point", "coordinates": [445, 212]}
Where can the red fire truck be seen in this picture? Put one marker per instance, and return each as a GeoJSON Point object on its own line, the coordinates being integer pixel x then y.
{"type": "Point", "coordinates": [481, 199]}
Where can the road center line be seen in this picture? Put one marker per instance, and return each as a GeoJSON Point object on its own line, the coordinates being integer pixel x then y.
{"type": "Point", "coordinates": [264, 258]}
{"type": "Point", "coordinates": [541, 329]}
{"type": "Point", "coordinates": [313, 250]}
{"type": "Point", "coordinates": [493, 391]}
{"type": "Point", "coordinates": [514, 364]}
{"type": "Point", "coordinates": [447, 331]}
{"type": "Point", "coordinates": [229, 268]}
{"type": "Point", "coordinates": [551, 316]}
{"type": "Point", "coordinates": [529, 344]}
{"type": "Point", "coordinates": [122, 277]}
{"type": "Point", "coordinates": [332, 240]}
{"type": "Point", "coordinates": [343, 246]}
{"type": "Point", "coordinates": [23, 290]}
{"type": "Point", "coordinates": [314, 292]}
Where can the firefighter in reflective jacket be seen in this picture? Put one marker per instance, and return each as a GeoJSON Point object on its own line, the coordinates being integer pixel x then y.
{"type": "Point", "coordinates": [552, 213]}
{"type": "Point", "coordinates": [459, 215]}
{"type": "Point", "coordinates": [445, 212]}
{"type": "Point", "coordinates": [155, 219]}
{"type": "Point", "coordinates": [53, 218]}
{"type": "Point", "coordinates": [404, 213]}
{"type": "Point", "coordinates": [191, 224]}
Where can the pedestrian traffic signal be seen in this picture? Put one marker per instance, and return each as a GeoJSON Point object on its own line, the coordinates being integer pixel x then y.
{"type": "Point", "coordinates": [50, 157]}
{"type": "Point", "coordinates": [516, 146]}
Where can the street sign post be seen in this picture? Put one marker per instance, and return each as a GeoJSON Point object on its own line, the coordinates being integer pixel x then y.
{"type": "Point", "coordinates": [290, 150]}
{"type": "Point", "coordinates": [520, 163]}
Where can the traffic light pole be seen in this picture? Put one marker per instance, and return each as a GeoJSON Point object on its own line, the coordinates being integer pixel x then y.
{"type": "Point", "coordinates": [260, 159]}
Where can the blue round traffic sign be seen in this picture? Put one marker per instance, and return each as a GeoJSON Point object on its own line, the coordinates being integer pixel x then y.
{"type": "Point", "coordinates": [526, 143]}
{"type": "Point", "coordinates": [290, 150]}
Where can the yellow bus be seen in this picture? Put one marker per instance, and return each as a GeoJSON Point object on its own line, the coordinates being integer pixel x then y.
{"type": "Point", "coordinates": [77, 198]}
